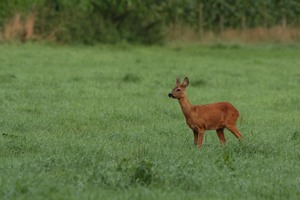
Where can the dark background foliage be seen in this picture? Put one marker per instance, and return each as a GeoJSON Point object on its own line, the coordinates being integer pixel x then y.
{"type": "Point", "coordinates": [136, 21]}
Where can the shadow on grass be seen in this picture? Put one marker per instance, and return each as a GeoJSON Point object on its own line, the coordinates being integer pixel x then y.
{"type": "Point", "coordinates": [16, 145]}
{"type": "Point", "coordinates": [131, 78]}
{"type": "Point", "coordinates": [7, 78]}
{"type": "Point", "coordinates": [198, 83]}
{"type": "Point", "coordinates": [248, 149]}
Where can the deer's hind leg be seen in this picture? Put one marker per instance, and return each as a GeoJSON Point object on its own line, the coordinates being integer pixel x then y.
{"type": "Point", "coordinates": [221, 136]}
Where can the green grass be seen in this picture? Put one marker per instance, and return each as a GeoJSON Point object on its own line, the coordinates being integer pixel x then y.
{"type": "Point", "coordinates": [96, 122]}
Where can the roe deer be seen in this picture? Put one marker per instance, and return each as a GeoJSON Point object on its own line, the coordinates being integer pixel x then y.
{"type": "Point", "coordinates": [215, 116]}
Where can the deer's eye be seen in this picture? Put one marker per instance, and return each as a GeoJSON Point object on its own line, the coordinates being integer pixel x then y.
{"type": "Point", "coordinates": [178, 90]}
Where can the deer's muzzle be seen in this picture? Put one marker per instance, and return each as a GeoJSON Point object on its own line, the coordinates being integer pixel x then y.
{"type": "Point", "coordinates": [170, 95]}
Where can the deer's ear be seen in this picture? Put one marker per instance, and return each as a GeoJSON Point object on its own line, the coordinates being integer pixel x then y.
{"type": "Point", "coordinates": [178, 81]}
{"type": "Point", "coordinates": [185, 82]}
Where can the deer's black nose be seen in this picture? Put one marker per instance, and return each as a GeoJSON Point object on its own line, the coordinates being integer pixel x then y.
{"type": "Point", "coordinates": [170, 95]}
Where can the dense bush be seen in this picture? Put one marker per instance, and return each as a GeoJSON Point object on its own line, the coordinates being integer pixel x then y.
{"type": "Point", "coordinates": [111, 21]}
{"type": "Point", "coordinates": [101, 21]}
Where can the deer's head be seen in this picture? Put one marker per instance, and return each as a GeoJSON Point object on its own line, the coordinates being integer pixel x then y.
{"type": "Point", "coordinates": [179, 91]}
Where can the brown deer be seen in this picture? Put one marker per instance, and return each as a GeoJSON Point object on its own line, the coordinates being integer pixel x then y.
{"type": "Point", "coordinates": [215, 116]}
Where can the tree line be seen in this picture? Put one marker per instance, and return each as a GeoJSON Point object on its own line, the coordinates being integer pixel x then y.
{"type": "Point", "coordinates": [140, 21]}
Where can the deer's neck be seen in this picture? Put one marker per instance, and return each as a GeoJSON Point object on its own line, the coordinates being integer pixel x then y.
{"type": "Point", "coordinates": [185, 105]}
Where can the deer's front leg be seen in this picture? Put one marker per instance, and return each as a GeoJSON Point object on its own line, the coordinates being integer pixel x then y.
{"type": "Point", "coordinates": [195, 130]}
{"type": "Point", "coordinates": [200, 137]}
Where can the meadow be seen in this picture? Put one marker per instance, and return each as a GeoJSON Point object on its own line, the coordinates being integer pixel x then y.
{"type": "Point", "coordinates": [96, 122]}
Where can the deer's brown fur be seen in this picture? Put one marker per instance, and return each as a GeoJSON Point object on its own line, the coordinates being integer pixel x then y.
{"type": "Point", "coordinates": [215, 116]}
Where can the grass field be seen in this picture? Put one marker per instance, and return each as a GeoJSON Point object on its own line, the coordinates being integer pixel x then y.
{"type": "Point", "coordinates": [96, 122]}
